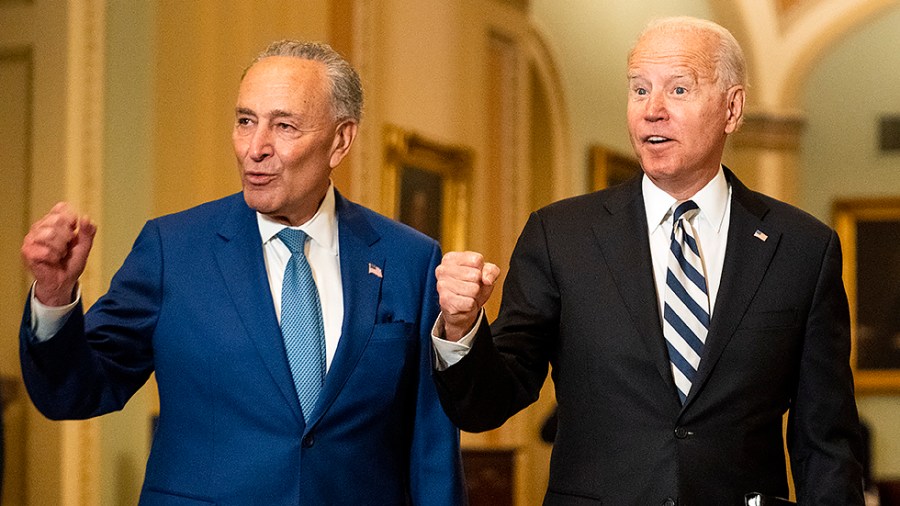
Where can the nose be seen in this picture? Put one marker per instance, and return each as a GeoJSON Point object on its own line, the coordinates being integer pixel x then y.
{"type": "Point", "coordinates": [656, 107]}
{"type": "Point", "coordinates": [261, 144]}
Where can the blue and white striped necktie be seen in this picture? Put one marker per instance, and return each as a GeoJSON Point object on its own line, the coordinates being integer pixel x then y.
{"type": "Point", "coordinates": [686, 309]}
{"type": "Point", "coordinates": [301, 322]}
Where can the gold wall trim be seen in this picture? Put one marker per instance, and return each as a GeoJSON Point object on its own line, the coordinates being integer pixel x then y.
{"type": "Point", "coordinates": [24, 55]}
{"type": "Point", "coordinates": [85, 93]}
{"type": "Point", "coordinates": [452, 164]}
{"type": "Point", "coordinates": [769, 131]}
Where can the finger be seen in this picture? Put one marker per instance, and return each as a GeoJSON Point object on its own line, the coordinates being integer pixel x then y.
{"type": "Point", "coordinates": [458, 272]}
{"type": "Point", "coordinates": [46, 244]}
{"type": "Point", "coordinates": [87, 229]}
{"type": "Point", "coordinates": [464, 258]}
{"type": "Point", "coordinates": [454, 304]}
{"type": "Point", "coordinates": [490, 273]}
{"type": "Point", "coordinates": [453, 287]}
{"type": "Point", "coordinates": [84, 239]}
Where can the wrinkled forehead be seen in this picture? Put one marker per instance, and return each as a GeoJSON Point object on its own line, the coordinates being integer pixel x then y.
{"type": "Point", "coordinates": [684, 50]}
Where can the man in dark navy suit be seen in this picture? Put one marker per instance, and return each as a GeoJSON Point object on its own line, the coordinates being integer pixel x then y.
{"type": "Point", "coordinates": [672, 377]}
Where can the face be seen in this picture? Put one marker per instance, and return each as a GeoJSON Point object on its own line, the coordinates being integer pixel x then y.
{"type": "Point", "coordinates": [286, 138]}
{"type": "Point", "coordinates": [678, 114]}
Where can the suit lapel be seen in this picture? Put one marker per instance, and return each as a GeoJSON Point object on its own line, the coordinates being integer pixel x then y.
{"type": "Point", "coordinates": [623, 238]}
{"type": "Point", "coordinates": [240, 258]}
{"type": "Point", "coordinates": [747, 257]}
{"type": "Point", "coordinates": [361, 290]}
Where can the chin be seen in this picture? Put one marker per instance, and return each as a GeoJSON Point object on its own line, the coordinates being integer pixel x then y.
{"type": "Point", "coordinates": [659, 169]}
{"type": "Point", "coordinates": [256, 201]}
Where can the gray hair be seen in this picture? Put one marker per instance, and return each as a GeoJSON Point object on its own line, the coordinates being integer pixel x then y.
{"type": "Point", "coordinates": [731, 67]}
{"type": "Point", "coordinates": [346, 87]}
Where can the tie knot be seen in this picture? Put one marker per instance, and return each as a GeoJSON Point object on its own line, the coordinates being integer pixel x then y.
{"type": "Point", "coordinates": [294, 239]}
{"type": "Point", "coordinates": [686, 210]}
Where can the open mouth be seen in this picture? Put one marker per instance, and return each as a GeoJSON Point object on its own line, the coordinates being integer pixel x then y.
{"type": "Point", "coordinates": [656, 139]}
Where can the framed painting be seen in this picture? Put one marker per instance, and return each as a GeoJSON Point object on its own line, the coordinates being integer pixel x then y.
{"type": "Point", "coordinates": [870, 236]}
{"type": "Point", "coordinates": [610, 167]}
{"type": "Point", "coordinates": [426, 185]}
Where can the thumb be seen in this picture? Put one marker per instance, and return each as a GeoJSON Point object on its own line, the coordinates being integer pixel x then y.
{"type": "Point", "coordinates": [489, 274]}
{"type": "Point", "coordinates": [84, 239]}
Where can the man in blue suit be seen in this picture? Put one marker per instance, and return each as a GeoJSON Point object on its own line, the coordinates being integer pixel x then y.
{"type": "Point", "coordinates": [199, 302]}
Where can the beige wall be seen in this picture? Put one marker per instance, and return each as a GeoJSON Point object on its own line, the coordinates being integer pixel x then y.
{"type": "Point", "coordinates": [849, 89]}
{"type": "Point", "coordinates": [172, 71]}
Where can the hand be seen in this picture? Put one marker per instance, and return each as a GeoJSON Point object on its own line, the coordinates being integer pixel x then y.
{"type": "Point", "coordinates": [464, 283]}
{"type": "Point", "coordinates": [55, 250]}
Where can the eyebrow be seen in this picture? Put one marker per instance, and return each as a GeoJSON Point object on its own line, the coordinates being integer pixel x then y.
{"type": "Point", "coordinates": [281, 113]}
{"type": "Point", "coordinates": [277, 113]}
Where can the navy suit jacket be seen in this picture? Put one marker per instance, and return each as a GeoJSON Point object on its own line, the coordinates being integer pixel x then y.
{"type": "Point", "coordinates": [192, 303]}
{"type": "Point", "coordinates": [580, 297]}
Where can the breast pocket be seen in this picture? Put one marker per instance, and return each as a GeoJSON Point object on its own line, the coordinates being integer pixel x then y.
{"type": "Point", "coordinates": [761, 320]}
{"type": "Point", "coordinates": [393, 331]}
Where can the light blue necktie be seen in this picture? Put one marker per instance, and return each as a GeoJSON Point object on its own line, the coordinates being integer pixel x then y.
{"type": "Point", "coordinates": [301, 322]}
{"type": "Point", "coordinates": [686, 310]}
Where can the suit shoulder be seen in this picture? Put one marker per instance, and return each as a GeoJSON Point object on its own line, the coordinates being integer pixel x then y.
{"type": "Point", "coordinates": [586, 205]}
{"type": "Point", "coordinates": [791, 218]}
{"type": "Point", "coordinates": [207, 214]}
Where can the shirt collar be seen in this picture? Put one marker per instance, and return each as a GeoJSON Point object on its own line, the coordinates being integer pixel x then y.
{"type": "Point", "coordinates": [712, 200]}
{"type": "Point", "coordinates": [321, 228]}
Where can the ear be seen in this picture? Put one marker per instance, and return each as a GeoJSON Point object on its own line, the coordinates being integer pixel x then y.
{"type": "Point", "coordinates": [735, 108]}
{"type": "Point", "coordinates": [343, 139]}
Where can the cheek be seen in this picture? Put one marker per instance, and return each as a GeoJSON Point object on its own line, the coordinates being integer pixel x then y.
{"type": "Point", "coordinates": [239, 144]}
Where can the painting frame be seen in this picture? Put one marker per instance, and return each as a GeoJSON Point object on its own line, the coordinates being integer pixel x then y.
{"type": "Point", "coordinates": [427, 179]}
{"type": "Point", "coordinates": [867, 263]}
{"type": "Point", "coordinates": [610, 167]}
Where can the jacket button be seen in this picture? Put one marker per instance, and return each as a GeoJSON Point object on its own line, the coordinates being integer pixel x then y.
{"type": "Point", "coordinates": [669, 502]}
{"type": "Point", "coordinates": [681, 432]}
{"type": "Point", "coordinates": [308, 441]}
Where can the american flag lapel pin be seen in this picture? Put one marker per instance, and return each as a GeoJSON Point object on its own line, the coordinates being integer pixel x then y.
{"type": "Point", "coordinates": [759, 234]}
{"type": "Point", "coordinates": [375, 270]}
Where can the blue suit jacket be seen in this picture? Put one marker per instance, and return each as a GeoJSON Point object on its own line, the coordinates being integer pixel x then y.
{"type": "Point", "coordinates": [192, 303]}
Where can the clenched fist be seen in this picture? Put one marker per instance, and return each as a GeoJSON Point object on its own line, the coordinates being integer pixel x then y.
{"type": "Point", "coordinates": [464, 283]}
{"type": "Point", "coordinates": [55, 250]}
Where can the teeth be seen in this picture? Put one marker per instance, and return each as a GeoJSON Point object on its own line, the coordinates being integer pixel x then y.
{"type": "Point", "coordinates": [656, 138]}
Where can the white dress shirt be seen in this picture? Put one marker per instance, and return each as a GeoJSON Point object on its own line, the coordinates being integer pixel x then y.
{"type": "Point", "coordinates": [322, 252]}
{"type": "Point", "coordinates": [711, 224]}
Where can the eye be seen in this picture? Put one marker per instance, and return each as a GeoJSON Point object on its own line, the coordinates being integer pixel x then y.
{"type": "Point", "coordinates": [285, 127]}
{"type": "Point", "coordinates": [680, 90]}
{"type": "Point", "coordinates": [640, 91]}
{"type": "Point", "coordinates": [243, 121]}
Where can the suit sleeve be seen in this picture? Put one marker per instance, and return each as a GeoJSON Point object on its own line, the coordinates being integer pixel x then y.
{"type": "Point", "coordinates": [507, 365]}
{"type": "Point", "coordinates": [823, 427]}
{"type": "Point", "coordinates": [98, 360]}
{"type": "Point", "coordinates": [436, 474]}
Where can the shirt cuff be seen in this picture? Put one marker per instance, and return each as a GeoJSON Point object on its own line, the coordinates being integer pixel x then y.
{"type": "Point", "coordinates": [447, 353]}
{"type": "Point", "coordinates": [47, 320]}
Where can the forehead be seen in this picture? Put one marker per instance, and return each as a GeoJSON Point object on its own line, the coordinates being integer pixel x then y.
{"type": "Point", "coordinates": [285, 78]}
{"type": "Point", "coordinates": [676, 52]}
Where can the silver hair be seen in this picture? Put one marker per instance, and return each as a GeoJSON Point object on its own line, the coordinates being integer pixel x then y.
{"type": "Point", "coordinates": [731, 67]}
{"type": "Point", "coordinates": [346, 87]}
